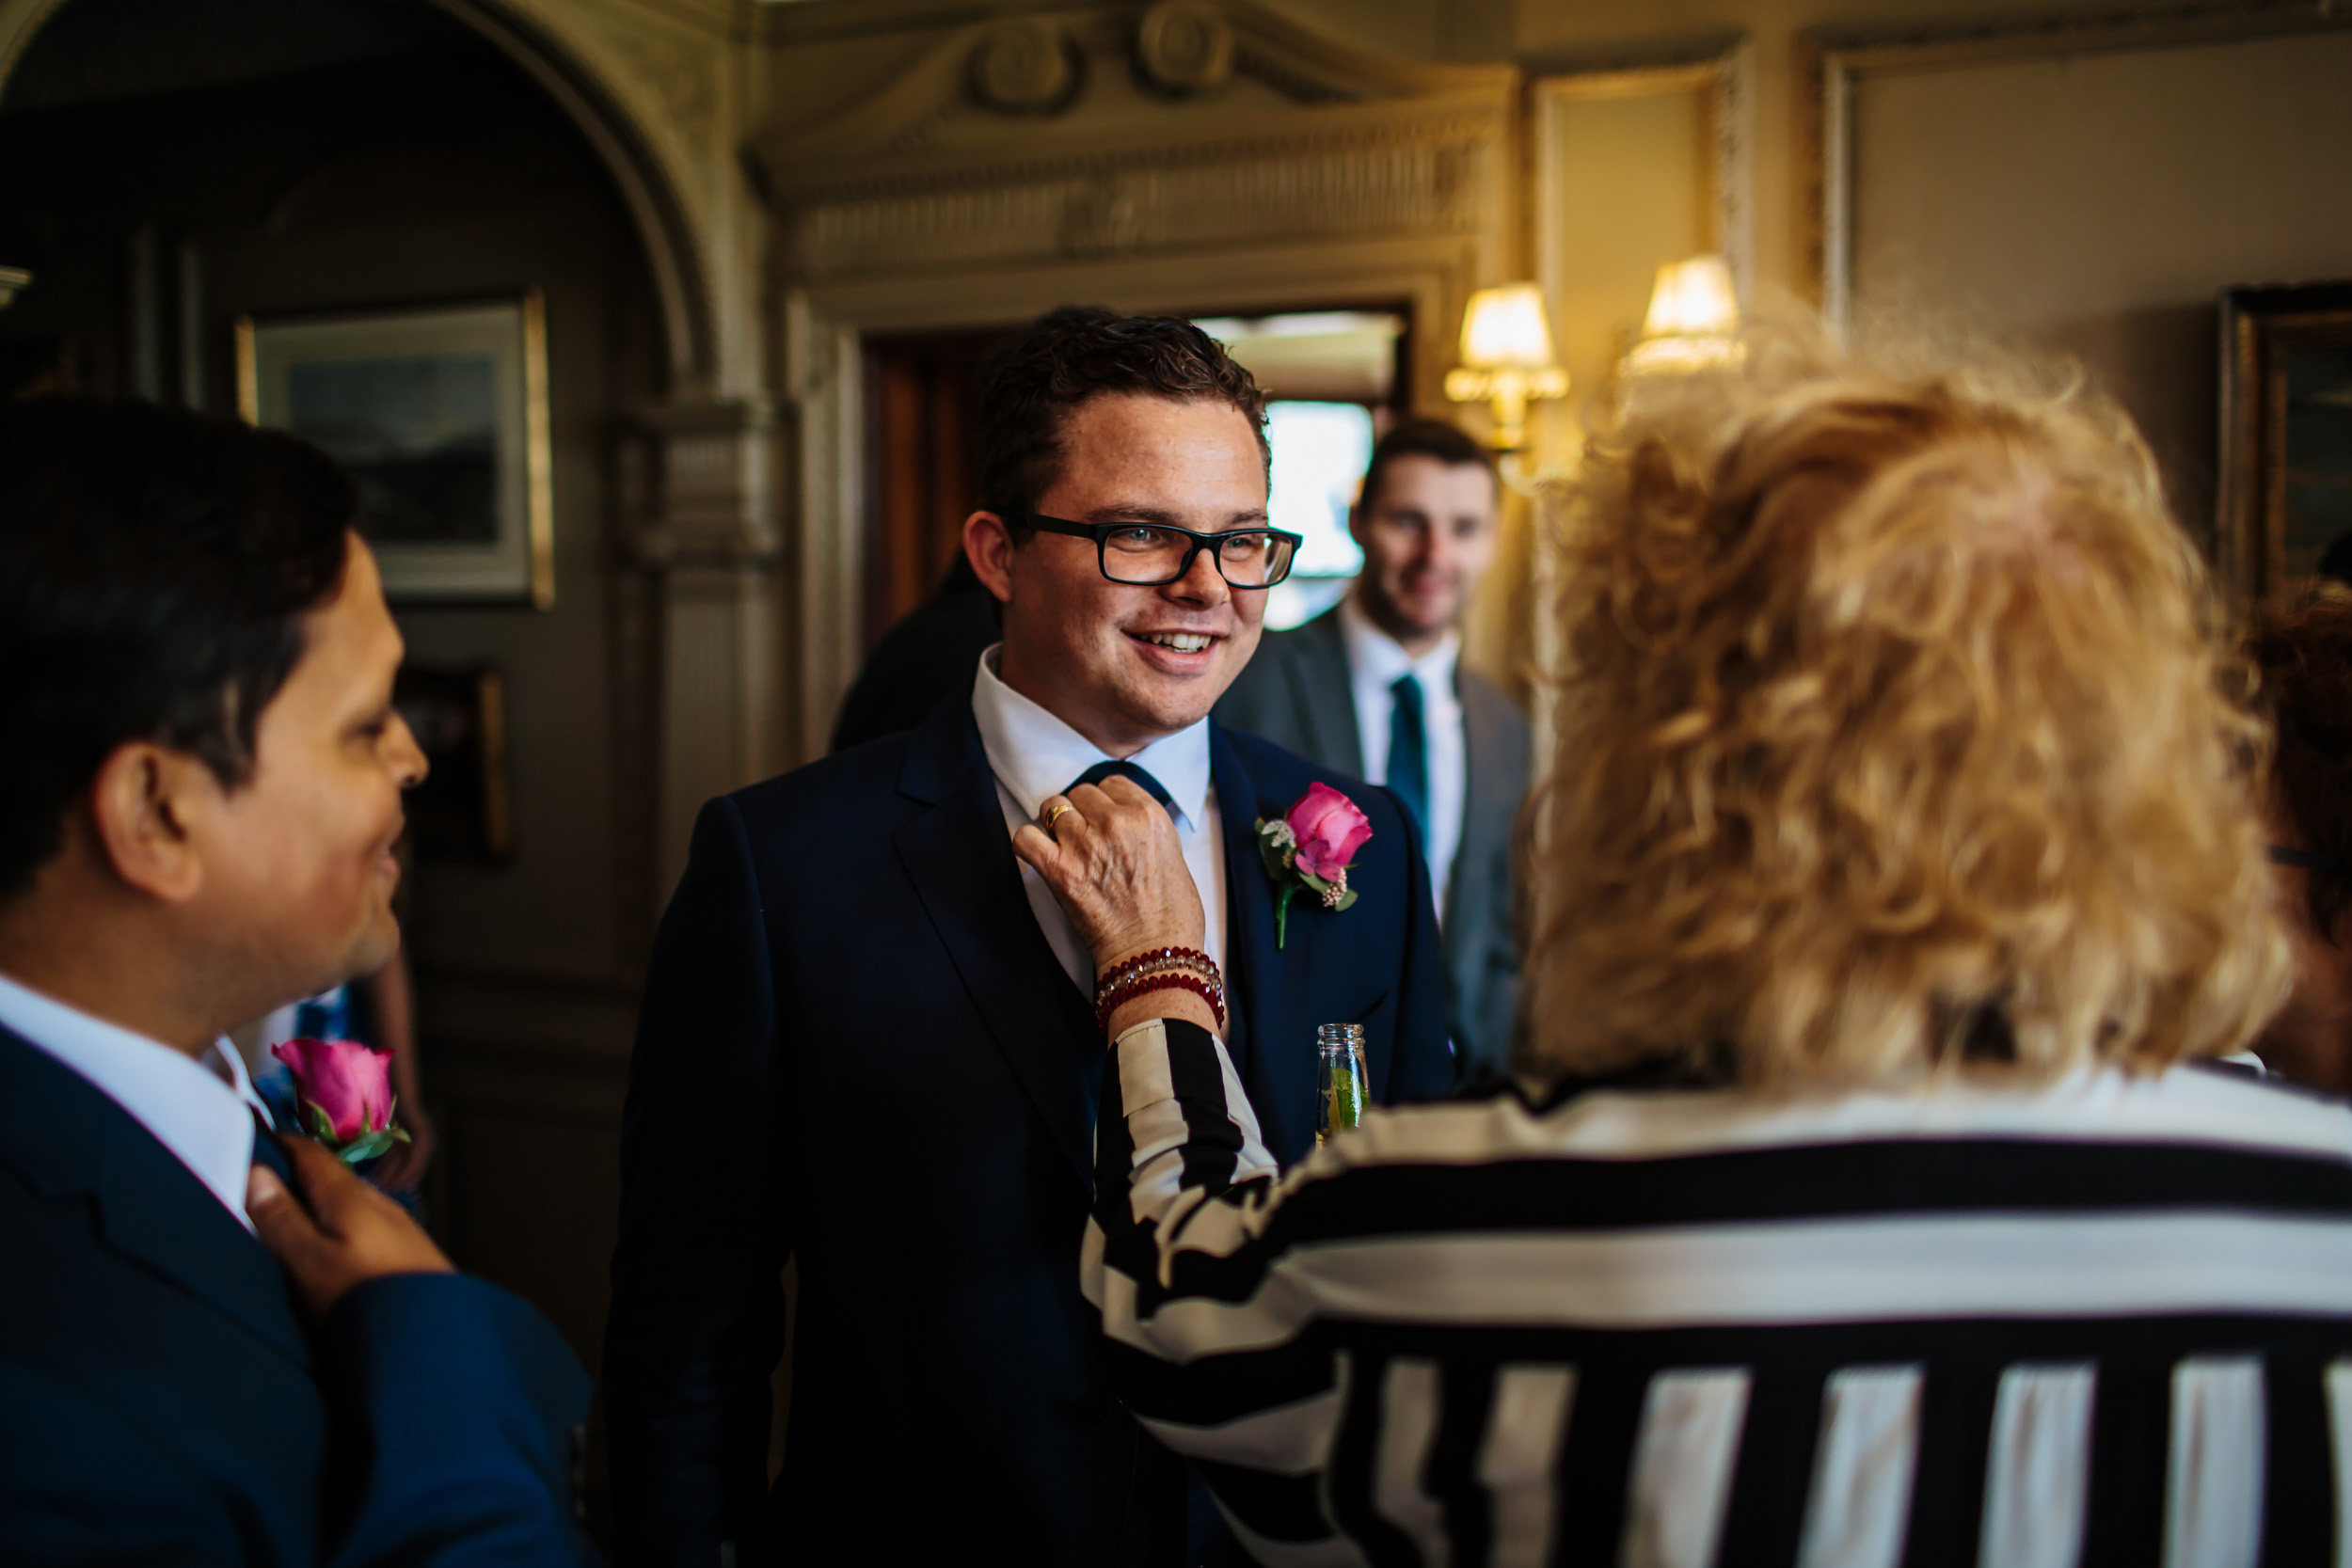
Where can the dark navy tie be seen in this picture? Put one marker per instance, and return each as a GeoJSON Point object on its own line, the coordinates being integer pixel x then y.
{"type": "Point", "coordinates": [1101, 770]}
{"type": "Point", "coordinates": [1408, 751]}
{"type": "Point", "coordinates": [268, 1151]}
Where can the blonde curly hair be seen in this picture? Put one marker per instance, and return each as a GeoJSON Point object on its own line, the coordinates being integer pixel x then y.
{"type": "Point", "coordinates": [1899, 732]}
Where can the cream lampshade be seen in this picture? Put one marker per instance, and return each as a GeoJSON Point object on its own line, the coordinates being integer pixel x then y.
{"type": "Point", "coordinates": [1506, 358]}
{"type": "Point", "coordinates": [1693, 320]}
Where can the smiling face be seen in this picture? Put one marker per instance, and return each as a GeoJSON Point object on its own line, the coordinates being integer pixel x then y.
{"type": "Point", "coordinates": [1126, 666]}
{"type": "Point", "coordinates": [1428, 535]}
{"type": "Point", "coordinates": [299, 868]}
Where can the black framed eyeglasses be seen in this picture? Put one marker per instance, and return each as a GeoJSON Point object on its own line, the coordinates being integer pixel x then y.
{"type": "Point", "coordinates": [1146, 555]}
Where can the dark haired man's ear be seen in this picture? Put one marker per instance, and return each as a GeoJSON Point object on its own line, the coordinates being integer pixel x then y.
{"type": "Point", "coordinates": [988, 545]}
{"type": "Point", "coordinates": [141, 804]}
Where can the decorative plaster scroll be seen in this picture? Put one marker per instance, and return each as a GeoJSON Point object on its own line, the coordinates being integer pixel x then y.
{"type": "Point", "coordinates": [1022, 67]}
{"type": "Point", "coordinates": [1184, 46]}
{"type": "Point", "coordinates": [1176, 44]}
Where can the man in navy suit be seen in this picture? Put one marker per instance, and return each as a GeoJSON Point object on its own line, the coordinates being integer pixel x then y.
{"type": "Point", "coordinates": [217, 1347]}
{"type": "Point", "coordinates": [855, 964]}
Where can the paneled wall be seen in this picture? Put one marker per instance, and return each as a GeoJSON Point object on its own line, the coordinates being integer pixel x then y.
{"type": "Point", "coordinates": [2097, 204]}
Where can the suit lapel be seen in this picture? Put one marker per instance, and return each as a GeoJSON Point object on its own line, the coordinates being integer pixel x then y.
{"type": "Point", "coordinates": [960, 858]}
{"type": "Point", "coordinates": [69, 1139]}
{"type": "Point", "coordinates": [1327, 694]}
{"type": "Point", "coordinates": [1479, 816]}
{"type": "Point", "coordinates": [1268, 983]}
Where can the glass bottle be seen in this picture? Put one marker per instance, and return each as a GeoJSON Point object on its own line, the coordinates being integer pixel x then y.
{"type": "Point", "coordinates": [1339, 1079]}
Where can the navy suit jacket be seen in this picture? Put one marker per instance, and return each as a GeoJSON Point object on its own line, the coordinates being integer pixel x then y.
{"type": "Point", "coordinates": [858, 1050]}
{"type": "Point", "coordinates": [161, 1403]}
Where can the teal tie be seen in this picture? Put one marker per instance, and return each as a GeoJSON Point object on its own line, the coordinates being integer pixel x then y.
{"type": "Point", "coordinates": [1408, 751]}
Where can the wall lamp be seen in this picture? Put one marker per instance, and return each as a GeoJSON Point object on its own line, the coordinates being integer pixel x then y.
{"type": "Point", "coordinates": [1693, 321]}
{"type": "Point", "coordinates": [1506, 360]}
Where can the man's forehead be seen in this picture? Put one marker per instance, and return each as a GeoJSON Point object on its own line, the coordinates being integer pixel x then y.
{"type": "Point", "coordinates": [1455, 479]}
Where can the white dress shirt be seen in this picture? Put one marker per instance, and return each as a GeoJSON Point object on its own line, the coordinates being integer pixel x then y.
{"type": "Point", "coordinates": [1375, 661]}
{"type": "Point", "coordinates": [1034, 754]}
{"type": "Point", "coordinates": [200, 1110]}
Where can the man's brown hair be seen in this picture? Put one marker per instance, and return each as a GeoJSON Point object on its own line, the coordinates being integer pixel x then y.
{"type": "Point", "coordinates": [1078, 352]}
{"type": "Point", "coordinates": [1449, 444]}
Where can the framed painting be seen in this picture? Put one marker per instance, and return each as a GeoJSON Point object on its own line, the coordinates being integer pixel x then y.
{"type": "Point", "coordinates": [2287, 434]}
{"type": "Point", "coordinates": [462, 811]}
{"type": "Point", "coordinates": [440, 413]}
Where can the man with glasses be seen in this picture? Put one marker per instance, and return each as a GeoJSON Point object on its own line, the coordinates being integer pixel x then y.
{"type": "Point", "coordinates": [856, 961]}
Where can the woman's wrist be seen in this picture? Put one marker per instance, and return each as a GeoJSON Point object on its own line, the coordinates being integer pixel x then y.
{"type": "Point", "coordinates": [1173, 1003]}
{"type": "Point", "coordinates": [1153, 970]}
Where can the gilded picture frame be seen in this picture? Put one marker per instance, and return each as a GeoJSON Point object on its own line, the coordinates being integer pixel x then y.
{"type": "Point", "coordinates": [440, 413]}
{"type": "Point", "coordinates": [2287, 434]}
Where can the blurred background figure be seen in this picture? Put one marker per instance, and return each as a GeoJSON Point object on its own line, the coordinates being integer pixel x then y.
{"type": "Point", "coordinates": [921, 662]}
{"type": "Point", "coordinates": [1375, 687]}
{"type": "Point", "coordinates": [2303, 654]}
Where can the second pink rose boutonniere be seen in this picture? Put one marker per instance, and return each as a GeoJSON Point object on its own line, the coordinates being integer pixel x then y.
{"type": "Point", "coordinates": [1310, 846]}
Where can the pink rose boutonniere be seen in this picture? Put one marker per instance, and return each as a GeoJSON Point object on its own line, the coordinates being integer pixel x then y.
{"type": "Point", "coordinates": [345, 1092]}
{"type": "Point", "coordinates": [1309, 847]}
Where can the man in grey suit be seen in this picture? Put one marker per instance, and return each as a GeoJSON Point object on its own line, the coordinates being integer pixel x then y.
{"type": "Point", "coordinates": [1374, 687]}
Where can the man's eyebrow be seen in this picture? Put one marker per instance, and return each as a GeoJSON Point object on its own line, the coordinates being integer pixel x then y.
{"type": "Point", "coordinates": [1121, 513]}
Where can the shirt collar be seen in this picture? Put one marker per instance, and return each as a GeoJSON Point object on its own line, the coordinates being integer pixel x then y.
{"type": "Point", "coordinates": [1034, 754]}
{"type": "Point", "coordinates": [200, 1110]}
{"type": "Point", "coordinates": [1381, 658]}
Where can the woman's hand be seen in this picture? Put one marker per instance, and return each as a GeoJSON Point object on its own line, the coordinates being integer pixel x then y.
{"type": "Point", "coordinates": [1116, 867]}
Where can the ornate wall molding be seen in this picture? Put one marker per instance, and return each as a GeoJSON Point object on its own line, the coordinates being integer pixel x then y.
{"type": "Point", "coordinates": [1726, 77]}
{"type": "Point", "coordinates": [1386, 180]}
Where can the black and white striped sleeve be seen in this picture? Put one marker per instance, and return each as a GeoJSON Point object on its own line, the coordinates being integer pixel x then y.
{"type": "Point", "coordinates": [1212, 1334]}
{"type": "Point", "coordinates": [1177, 1132]}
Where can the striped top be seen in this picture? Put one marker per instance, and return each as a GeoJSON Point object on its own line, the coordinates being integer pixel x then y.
{"type": "Point", "coordinates": [2106, 1320]}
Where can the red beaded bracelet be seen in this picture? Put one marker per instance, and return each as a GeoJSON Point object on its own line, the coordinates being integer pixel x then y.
{"type": "Point", "coordinates": [1150, 957]}
{"type": "Point", "coordinates": [1174, 979]}
{"type": "Point", "coordinates": [1154, 960]}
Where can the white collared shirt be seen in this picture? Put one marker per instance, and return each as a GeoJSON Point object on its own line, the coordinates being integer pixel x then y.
{"type": "Point", "coordinates": [200, 1110]}
{"type": "Point", "coordinates": [1374, 662]}
{"type": "Point", "coordinates": [1034, 754]}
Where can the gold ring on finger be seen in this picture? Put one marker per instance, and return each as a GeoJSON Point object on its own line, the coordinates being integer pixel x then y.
{"type": "Point", "coordinates": [1055, 815]}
